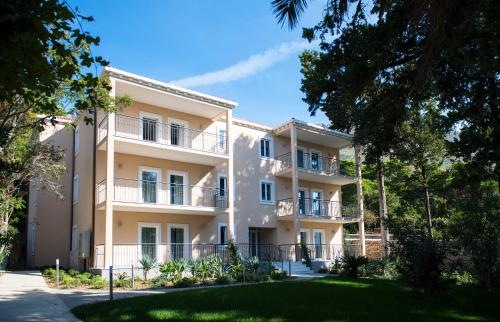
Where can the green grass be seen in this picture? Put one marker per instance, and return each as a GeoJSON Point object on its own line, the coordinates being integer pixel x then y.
{"type": "Point", "coordinates": [325, 299]}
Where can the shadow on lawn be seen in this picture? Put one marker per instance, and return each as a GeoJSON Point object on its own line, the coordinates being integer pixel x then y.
{"type": "Point", "coordinates": [313, 300]}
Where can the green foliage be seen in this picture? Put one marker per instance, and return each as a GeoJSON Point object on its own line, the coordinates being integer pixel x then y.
{"type": "Point", "coordinates": [49, 273]}
{"type": "Point", "coordinates": [252, 264]}
{"type": "Point", "coordinates": [224, 279]}
{"type": "Point", "coordinates": [460, 278]}
{"type": "Point", "coordinates": [98, 282]}
{"type": "Point", "coordinates": [147, 264]}
{"type": "Point", "coordinates": [236, 270]}
{"type": "Point", "coordinates": [351, 264]}
{"type": "Point", "coordinates": [85, 278]}
{"type": "Point", "coordinates": [277, 275]}
{"type": "Point", "coordinates": [420, 258]}
{"type": "Point", "coordinates": [73, 272]}
{"type": "Point", "coordinates": [185, 282]}
{"type": "Point", "coordinates": [122, 280]}
{"type": "Point", "coordinates": [234, 256]}
{"type": "Point", "coordinates": [173, 270]}
{"type": "Point", "coordinates": [385, 268]}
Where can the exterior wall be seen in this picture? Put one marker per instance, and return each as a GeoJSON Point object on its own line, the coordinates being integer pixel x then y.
{"type": "Point", "coordinates": [49, 217]}
{"type": "Point", "coordinates": [82, 209]}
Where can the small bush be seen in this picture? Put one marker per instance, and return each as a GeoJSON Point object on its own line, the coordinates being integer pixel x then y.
{"type": "Point", "coordinates": [323, 270]}
{"type": "Point", "coordinates": [351, 264]}
{"type": "Point", "coordinates": [383, 269]}
{"type": "Point", "coordinates": [160, 281]}
{"type": "Point", "coordinates": [122, 280]}
{"type": "Point", "coordinates": [49, 273]}
{"type": "Point", "coordinates": [253, 264]}
{"type": "Point", "coordinates": [85, 278]}
{"type": "Point", "coordinates": [278, 276]}
{"type": "Point", "coordinates": [147, 264]}
{"type": "Point", "coordinates": [67, 281]}
{"type": "Point", "coordinates": [98, 282]}
{"type": "Point", "coordinates": [73, 272]}
{"type": "Point", "coordinates": [185, 282]}
{"type": "Point", "coordinates": [458, 278]}
{"type": "Point", "coordinates": [224, 279]}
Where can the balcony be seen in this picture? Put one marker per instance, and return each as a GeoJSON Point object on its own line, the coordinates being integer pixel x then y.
{"type": "Point", "coordinates": [152, 196]}
{"type": "Point", "coordinates": [317, 210]}
{"type": "Point", "coordinates": [312, 167]}
{"type": "Point", "coordinates": [149, 137]}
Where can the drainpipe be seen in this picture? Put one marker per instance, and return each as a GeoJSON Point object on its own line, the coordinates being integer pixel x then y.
{"type": "Point", "coordinates": [91, 257]}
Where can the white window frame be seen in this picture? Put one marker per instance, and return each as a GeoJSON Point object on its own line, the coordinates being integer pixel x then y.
{"type": "Point", "coordinates": [271, 148]}
{"type": "Point", "coordinates": [224, 142]}
{"type": "Point", "coordinates": [219, 176]}
{"type": "Point", "coordinates": [306, 196]}
{"type": "Point", "coordinates": [76, 189]}
{"type": "Point", "coordinates": [185, 189]}
{"type": "Point", "coordinates": [139, 235]}
{"type": "Point", "coordinates": [323, 241]}
{"type": "Point", "coordinates": [266, 202]}
{"type": "Point", "coordinates": [219, 226]}
{"type": "Point", "coordinates": [159, 129]}
{"type": "Point", "coordinates": [308, 235]}
{"type": "Point", "coordinates": [322, 198]}
{"type": "Point", "coordinates": [320, 165]}
{"type": "Point", "coordinates": [77, 140]}
{"type": "Point", "coordinates": [185, 124]}
{"type": "Point", "coordinates": [158, 182]}
{"type": "Point", "coordinates": [186, 240]}
{"type": "Point", "coordinates": [305, 152]}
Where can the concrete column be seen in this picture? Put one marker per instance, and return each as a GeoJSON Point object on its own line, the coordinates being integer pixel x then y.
{"type": "Point", "coordinates": [359, 186]}
{"type": "Point", "coordinates": [110, 174]}
{"type": "Point", "coordinates": [295, 182]}
{"type": "Point", "coordinates": [230, 175]}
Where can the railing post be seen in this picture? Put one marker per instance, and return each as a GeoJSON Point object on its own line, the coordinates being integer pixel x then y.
{"type": "Point", "coordinates": [57, 272]}
{"type": "Point", "coordinates": [289, 267]}
{"type": "Point", "coordinates": [132, 276]}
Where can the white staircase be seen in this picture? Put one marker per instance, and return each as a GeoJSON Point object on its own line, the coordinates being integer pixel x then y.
{"type": "Point", "coordinates": [298, 268]}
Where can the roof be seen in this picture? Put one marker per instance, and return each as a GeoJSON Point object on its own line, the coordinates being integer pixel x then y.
{"type": "Point", "coordinates": [169, 88]}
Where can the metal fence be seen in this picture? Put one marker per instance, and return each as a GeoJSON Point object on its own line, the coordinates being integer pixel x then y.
{"type": "Point", "coordinates": [161, 193]}
{"type": "Point", "coordinates": [172, 134]}
{"type": "Point", "coordinates": [313, 162]}
{"type": "Point", "coordinates": [309, 207]}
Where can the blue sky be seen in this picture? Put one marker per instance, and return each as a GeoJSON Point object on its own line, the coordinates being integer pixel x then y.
{"type": "Point", "coordinates": [228, 48]}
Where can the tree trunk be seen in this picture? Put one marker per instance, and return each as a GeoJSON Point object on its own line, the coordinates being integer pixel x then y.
{"type": "Point", "coordinates": [429, 214]}
{"type": "Point", "coordinates": [382, 206]}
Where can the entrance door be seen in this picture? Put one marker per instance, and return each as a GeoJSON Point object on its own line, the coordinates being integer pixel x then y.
{"type": "Point", "coordinates": [319, 243]}
{"type": "Point", "coordinates": [178, 239]}
{"type": "Point", "coordinates": [315, 161]}
{"type": "Point", "coordinates": [178, 189]}
{"type": "Point", "coordinates": [149, 237]}
{"type": "Point", "coordinates": [317, 207]}
{"type": "Point", "coordinates": [254, 242]}
{"type": "Point", "coordinates": [149, 185]}
{"type": "Point", "coordinates": [302, 202]}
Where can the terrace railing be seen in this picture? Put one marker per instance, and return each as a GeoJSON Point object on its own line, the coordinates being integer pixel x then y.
{"type": "Point", "coordinates": [162, 193]}
{"type": "Point", "coordinates": [308, 161]}
{"type": "Point", "coordinates": [309, 207]}
{"type": "Point", "coordinates": [171, 134]}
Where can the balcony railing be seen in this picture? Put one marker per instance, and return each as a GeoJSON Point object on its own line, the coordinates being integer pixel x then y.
{"type": "Point", "coordinates": [152, 131]}
{"type": "Point", "coordinates": [102, 129]}
{"type": "Point", "coordinates": [126, 255]}
{"type": "Point", "coordinates": [161, 193]}
{"type": "Point", "coordinates": [316, 208]}
{"type": "Point", "coordinates": [308, 161]}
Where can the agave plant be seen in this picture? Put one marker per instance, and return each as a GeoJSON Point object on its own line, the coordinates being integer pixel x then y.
{"type": "Point", "coordinates": [147, 263]}
{"type": "Point", "coordinates": [253, 264]}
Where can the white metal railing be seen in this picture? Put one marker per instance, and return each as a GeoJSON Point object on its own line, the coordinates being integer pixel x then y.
{"type": "Point", "coordinates": [171, 134]}
{"type": "Point", "coordinates": [102, 130]}
{"type": "Point", "coordinates": [308, 161]}
{"type": "Point", "coordinates": [161, 193]}
{"type": "Point", "coordinates": [316, 208]}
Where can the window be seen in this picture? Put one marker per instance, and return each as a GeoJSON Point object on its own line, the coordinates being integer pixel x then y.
{"type": "Point", "coordinates": [178, 133]}
{"type": "Point", "coordinates": [265, 148]}
{"type": "Point", "coordinates": [221, 140]}
{"type": "Point", "coordinates": [75, 189]}
{"type": "Point", "coordinates": [150, 127]}
{"type": "Point", "coordinates": [222, 187]}
{"type": "Point", "coordinates": [77, 140]}
{"type": "Point", "coordinates": [266, 192]}
{"type": "Point", "coordinates": [222, 233]}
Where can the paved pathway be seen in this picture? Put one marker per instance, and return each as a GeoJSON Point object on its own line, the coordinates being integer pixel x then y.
{"type": "Point", "coordinates": [24, 296]}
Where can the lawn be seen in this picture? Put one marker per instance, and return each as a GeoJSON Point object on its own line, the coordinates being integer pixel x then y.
{"type": "Point", "coordinates": [323, 299]}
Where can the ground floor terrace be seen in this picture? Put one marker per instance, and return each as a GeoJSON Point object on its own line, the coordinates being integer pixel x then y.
{"type": "Point", "coordinates": [165, 237]}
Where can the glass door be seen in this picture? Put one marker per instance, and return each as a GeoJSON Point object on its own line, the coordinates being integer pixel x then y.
{"type": "Point", "coordinates": [149, 129]}
{"type": "Point", "coordinates": [148, 241]}
{"type": "Point", "coordinates": [318, 244]}
{"type": "Point", "coordinates": [149, 186]}
{"type": "Point", "coordinates": [254, 242]}
{"type": "Point", "coordinates": [300, 159]}
{"type": "Point", "coordinates": [315, 161]}
{"type": "Point", "coordinates": [316, 197]}
{"type": "Point", "coordinates": [302, 202]}
{"type": "Point", "coordinates": [177, 242]}
{"type": "Point", "coordinates": [177, 188]}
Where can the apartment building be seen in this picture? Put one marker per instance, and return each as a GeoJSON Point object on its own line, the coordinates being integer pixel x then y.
{"type": "Point", "coordinates": [175, 175]}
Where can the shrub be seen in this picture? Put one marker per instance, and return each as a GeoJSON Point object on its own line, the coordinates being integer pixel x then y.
{"type": "Point", "coordinates": [236, 270]}
{"type": "Point", "coordinates": [85, 278]}
{"type": "Point", "coordinates": [73, 272]}
{"type": "Point", "coordinates": [351, 264]}
{"type": "Point", "coordinates": [67, 281]}
{"type": "Point", "coordinates": [224, 279]}
{"type": "Point", "coordinates": [278, 276]}
{"type": "Point", "coordinates": [234, 256]}
{"type": "Point", "coordinates": [323, 270]}
{"type": "Point", "coordinates": [421, 259]}
{"type": "Point", "coordinates": [147, 264]}
{"type": "Point", "coordinates": [185, 282]}
{"type": "Point", "coordinates": [252, 264]}
{"type": "Point", "coordinates": [306, 254]}
{"type": "Point", "coordinates": [384, 268]}
{"type": "Point", "coordinates": [122, 280]}
{"type": "Point", "coordinates": [193, 265]}
{"type": "Point", "coordinates": [458, 278]}
{"type": "Point", "coordinates": [98, 282]}
{"type": "Point", "coordinates": [215, 266]}
{"type": "Point", "coordinates": [49, 273]}
{"type": "Point", "coordinates": [160, 281]}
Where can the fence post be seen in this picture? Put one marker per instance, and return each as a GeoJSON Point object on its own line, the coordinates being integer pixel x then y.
{"type": "Point", "coordinates": [289, 268]}
{"type": "Point", "coordinates": [57, 272]}
{"type": "Point", "coordinates": [133, 279]}
{"type": "Point", "coordinates": [243, 262]}
{"type": "Point", "coordinates": [111, 282]}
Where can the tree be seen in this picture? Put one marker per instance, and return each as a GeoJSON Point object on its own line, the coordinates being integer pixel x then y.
{"type": "Point", "coordinates": [422, 146]}
{"type": "Point", "coordinates": [47, 69]}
